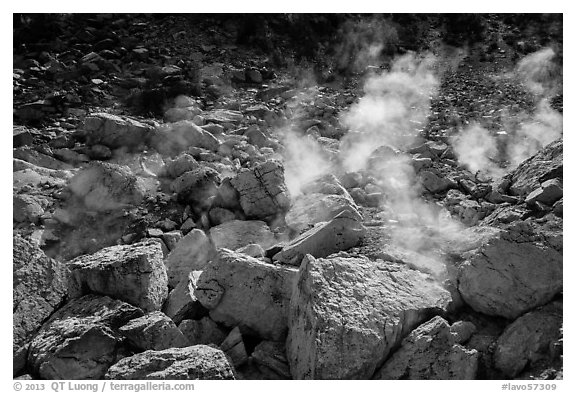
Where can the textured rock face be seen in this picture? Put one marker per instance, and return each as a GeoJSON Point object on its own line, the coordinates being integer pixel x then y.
{"type": "Point", "coordinates": [180, 165]}
{"type": "Point", "coordinates": [115, 131]}
{"type": "Point", "coordinates": [235, 234]}
{"type": "Point", "coordinates": [346, 314]}
{"type": "Point", "coordinates": [196, 186]}
{"type": "Point", "coordinates": [103, 186]}
{"type": "Point", "coordinates": [39, 286]}
{"type": "Point", "coordinates": [204, 331]}
{"type": "Point", "coordinates": [181, 300]}
{"type": "Point", "coordinates": [311, 209]}
{"type": "Point", "coordinates": [247, 292]}
{"type": "Point", "coordinates": [154, 331]}
{"type": "Point", "coordinates": [514, 271]}
{"type": "Point", "coordinates": [174, 138]}
{"type": "Point", "coordinates": [192, 252]}
{"type": "Point", "coordinates": [545, 165]}
{"type": "Point", "coordinates": [431, 352]}
{"type": "Point", "coordinates": [434, 183]}
{"type": "Point", "coordinates": [549, 192]}
{"type": "Point", "coordinates": [133, 273]}
{"type": "Point", "coordinates": [263, 193]}
{"type": "Point", "coordinates": [528, 339]}
{"type": "Point", "coordinates": [196, 362]}
{"type": "Point", "coordinates": [339, 234]}
{"type": "Point", "coordinates": [80, 341]}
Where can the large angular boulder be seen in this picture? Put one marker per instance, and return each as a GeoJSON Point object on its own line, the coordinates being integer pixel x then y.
{"type": "Point", "coordinates": [310, 209]}
{"type": "Point", "coordinates": [547, 164]}
{"type": "Point", "coordinates": [529, 339]}
{"type": "Point", "coordinates": [513, 270]}
{"type": "Point", "coordinates": [243, 291]}
{"type": "Point", "coordinates": [115, 131]}
{"type": "Point", "coordinates": [263, 193]}
{"type": "Point", "coordinates": [236, 234]}
{"type": "Point", "coordinates": [549, 192]}
{"type": "Point", "coordinates": [195, 362]}
{"type": "Point", "coordinates": [430, 352]}
{"type": "Point", "coordinates": [39, 287]}
{"type": "Point", "coordinates": [341, 233]}
{"type": "Point", "coordinates": [81, 340]}
{"type": "Point", "coordinates": [134, 273]}
{"type": "Point", "coordinates": [197, 186]}
{"type": "Point", "coordinates": [174, 138]}
{"type": "Point", "coordinates": [347, 314]}
{"type": "Point", "coordinates": [104, 186]}
{"type": "Point", "coordinates": [181, 302]}
{"type": "Point", "coordinates": [191, 253]}
{"type": "Point", "coordinates": [154, 331]}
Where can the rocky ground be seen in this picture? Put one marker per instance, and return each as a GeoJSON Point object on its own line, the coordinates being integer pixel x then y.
{"type": "Point", "coordinates": [224, 197]}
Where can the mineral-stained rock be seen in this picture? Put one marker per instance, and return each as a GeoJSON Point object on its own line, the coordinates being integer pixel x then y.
{"type": "Point", "coordinates": [311, 209]}
{"type": "Point", "coordinates": [195, 362]}
{"type": "Point", "coordinates": [39, 287]}
{"type": "Point", "coordinates": [115, 131]}
{"type": "Point", "coordinates": [203, 331]}
{"type": "Point", "coordinates": [235, 234]}
{"type": "Point", "coordinates": [104, 186]}
{"type": "Point", "coordinates": [263, 193]}
{"type": "Point", "coordinates": [197, 186]}
{"type": "Point", "coordinates": [192, 252]}
{"type": "Point", "coordinates": [430, 352]}
{"type": "Point", "coordinates": [154, 331]}
{"type": "Point", "coordinates": [80, 341]}
{"type": "Point", "coordinates": [233, 346]}
{"type": "Point", "coordinates": [134, 273]}
{"type": "Point", "coordinates": [272, 355]}
{"type": "Point", "coordinates": [181, 302]}
{"type": "Point", "coordinates": [175, 138]}
{"type": "Point", "coordinates": [247, 292]}
{"type": "Point", "coordinates": [529, 339]}
{"type": "Point", "coordinates": [347, 314]}
{"type": "Point", "coordinates": [546, 164]}
{"type": "Point", "coordinates": [341, 233]}
{"type": "Point", "coordinates": [513, 271]}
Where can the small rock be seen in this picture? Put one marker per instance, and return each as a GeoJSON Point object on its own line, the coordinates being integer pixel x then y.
{"type": "Point", "coordinates": [462, 331]}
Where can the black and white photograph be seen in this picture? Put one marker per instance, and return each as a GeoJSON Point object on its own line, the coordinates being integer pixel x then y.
{"type": "Point", "coordinates": [286, 196]}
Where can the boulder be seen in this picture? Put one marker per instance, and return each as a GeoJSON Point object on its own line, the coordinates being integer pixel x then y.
{"type": "Point", "coordinates": [180, 165]}
{"type": "Point", "coordinates": [39, 288]}
{"type": "Point", "coordinates": [28, 208]}
{"type": "Point", "coordinates": [548, 193]}
{"type": "Point", "coordinates": [341, 233]}
{"type": "Point", "coordinates": [81, 340]}
{"type": "Point", "coordinates": [430, 352]}
{"type": "Point", "coordinates": [181, 302]}
{"type": "Point", "coordinates": [174, 138]}
{"type": "Point", "coordinates": [514, 270]}
{"type": "Point", "coordinates": [196, 187]}
{"type": "Point", "coordinates": [192, 252]}
{"type": "Point", "coordinates": [235, 234]}
{"type": "Point", "coordinates": [153, 331]}
{"type": "Point", "coordinates": [252, 250]}
{"type": "Point", "coordinates": [547, 164]}
{"type": "Point", "coordinates": [104, 186]}
{"type": "Point", "coordinates": [311, 209]}
{"type": "Point", "coordinates": [195, 362]}
{"type": "Point", "coordinates": [435, 183]}
{"type": "Point", "coordinates": [462, 331]}
{"type": "Point", "coordinates": [223, 116]}
{"type": "Point", "coordinates": [202, 331]}
{"type": "Point", "coordinates": [134, 273]}
{"type": "Point", "coordinates": [347, 314]}
{"type": "Point", "coordinates": [262, 191]}
{"type": "Point", "coordinates": [246, 292]}
{"type": "Point", "coordinates": [529, 339]}
{"type": "Point", "coordinates": [116, 131]}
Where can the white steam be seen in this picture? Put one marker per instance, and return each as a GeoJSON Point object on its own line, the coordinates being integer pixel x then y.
{"type": "Point", "coordinates": [477, 149]}
{"type": "Point", "coordinates": [539, 72]}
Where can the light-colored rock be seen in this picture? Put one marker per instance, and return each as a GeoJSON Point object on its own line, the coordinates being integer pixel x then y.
{"type": "Point", "coordinates": [223, 116]}
{"type": "Point", "coordinates": [154, 331]}
{"type": "Point", "coordinates": [174, 138]}
{"type": "Point", "coordinates": [203, 331]}
{"type": "Point", "coordinates": [104, 186]}
{"type": "Point", "coordinates": [549, 192]}
{"type": "Point", "coordinates": [80, 341]}
{"type": "Point", "coordinates": [430, 352]}
{"type": "Point", "coordinates": [311, 209]}
{"type": "Point", "coordinates": [462, 331]}
{"type": "Point", "coordinates": [180, 165]}
{"type": "Point", "coordinates": [248, 293]}
{"type": "Point", "coordinates": [236, 233]}
{"type": "Point", "coordinates": [133, 273]}
{"type": "Point", "coordinates": [347, 314]}
{"type": "Point", "coordinates": [181, 302]}
{"type": "Point", "coordinates": [39, 287]}
{"type": "Point", "coordinates": [512, 271]}
{"type": "Point", "coordinates": [115, 131]}
{"type": "Point", "coordinates": [195, 362]}
{"type": "Point", "coordinates": [173, 115]}
{"type": "Point", "coordinates": [339, 234]}
{"type": "Point", "coordinates": [253, 250]}
{"type": "Point", "coordinates": [528, 339]}
{"type": "Point", "coordinates": [192, 252]}
{"type": "Point", "coordinates": [263, 193]}
{"type": "Point", "coordinates": [28, 208]}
